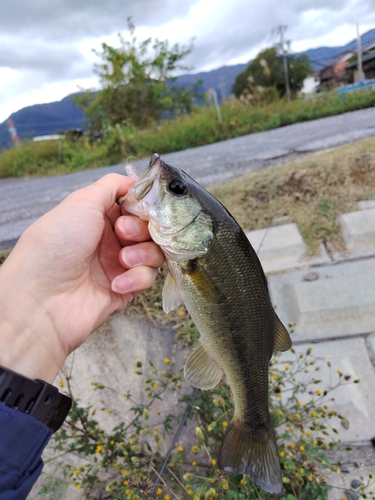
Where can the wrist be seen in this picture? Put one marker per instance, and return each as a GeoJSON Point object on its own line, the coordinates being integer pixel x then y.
{"type": "Point", "coordinates": [28, 342]}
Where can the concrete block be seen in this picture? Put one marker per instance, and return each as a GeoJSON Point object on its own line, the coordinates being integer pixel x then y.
{"type": "Point", "coordinates": [281, 248]}
{"type": "Point", "coordinates": [108, 357]}
{"type": "Point", "coordinates": [355, 465]}
{"type": "Point", "coordinates": [338, 303]}
{"type": "Point", "coordinates": [356, 402]}
{"type": "Point", "coordinates": [358, 232]}
{"type": "Point", "coordinates": [364, 205]}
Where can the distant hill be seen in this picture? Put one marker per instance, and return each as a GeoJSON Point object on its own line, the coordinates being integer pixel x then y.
{"type": "Point", "coordinates": [55, 117]}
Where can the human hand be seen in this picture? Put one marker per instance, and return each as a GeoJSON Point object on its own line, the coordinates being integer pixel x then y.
{"type": "Point", "coordinates": [68, 273]}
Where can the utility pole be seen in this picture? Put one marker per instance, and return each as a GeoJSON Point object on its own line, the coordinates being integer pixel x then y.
{"type": "Point", "coordinates": [359, 55]}
{"type": "Point", "coordinates": [283, 48]}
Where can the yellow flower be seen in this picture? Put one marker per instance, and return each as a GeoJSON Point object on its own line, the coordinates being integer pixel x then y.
{"type": "Point", "coordinates": [319, 392]}
{"type": "Point", "coordinates": [282, 453]}
{"type": "Point", "coordinates": [298, 415]}
{"type": "Point", "coordinates": [158, 412]}
{"type": "Point", "coordinates": [314, 414]}
{"type": "Point", "coordinates": [225, 423]}
{"type": "Point", "coordinates": [190, 491]}
{"type": "Point", "coordinates": [112, 442]}
{"type": "Point", "coordinates": [166, 360]}
{"type": "Point", "coordinates": [301, 448]}
{"type": "Point", "coordinates": [299, 403]}
{"type": "Point", "coordinates": [278, 395]}
{"type": "Point", "coordinates": [167, 497]}
{"type": "Point", "coordinates": [339, 372]}
{"type": "Point", "coordinates": [160, 442]}
{"type": "Point", "coordinates": [181, 313]}
{"type": "Point", "coordinates": [287, 367]}
{"type": "Point", "coordinates": [75, 472]}
{"type": "Point", "coordinates": [159, 491]}
{"type": "Point", "coordinates": [275, 377]}
{"type": "Point", "coordinates": [309, 478]}
{"type": "Point", "coordinates": [213, 461]}
{"type": "Point", "coordinates": [99, 448]}
{"type": "Point", "coordinates": [302, 470]}
{"type": "Point", "coordinates": [127, 492]}
{"type": "Point", "coordinates": [308, 433]}
{"type": "Point", "coordinates": [292, 445]}
{"type": "Point", "coordinates": [126, 483]}
{"type": "Point", "coordinates": [109, 410]}
{"type": "Point", "coordinates": [154, 385]}
{"type": "Point", "coordinates": [62, 383]}
{"type": "Point", "coordinates": [180, 448]}
{"type": "Point", "coordinates": [79, 486]}
{"type": "Point", "coordinates": [242, 481]}
{"type": "Point", "coordinates": [193, 463]}
{"type": "Point", "coordinates": [156, 429]}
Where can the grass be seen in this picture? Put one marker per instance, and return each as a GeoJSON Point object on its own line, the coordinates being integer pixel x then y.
{"type": "Point", "coordinates": [311, 192]}
{"type": "Point", "coordinates": [199, 128]}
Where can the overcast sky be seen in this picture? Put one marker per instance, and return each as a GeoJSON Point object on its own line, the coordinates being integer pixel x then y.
{"type": "Point", "coordinates": [46, 45]}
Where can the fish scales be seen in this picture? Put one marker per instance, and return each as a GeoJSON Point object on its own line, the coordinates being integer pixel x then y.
{"type": "Point", "coordinates": [216, 273]}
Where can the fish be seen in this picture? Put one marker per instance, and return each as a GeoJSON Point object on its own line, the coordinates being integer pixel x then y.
{"type": "Point", "coordinates": [215, 272]}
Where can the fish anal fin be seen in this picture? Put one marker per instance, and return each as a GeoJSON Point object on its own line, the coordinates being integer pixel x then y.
{"type": "Point", "coordinates": [171, 294]}
{"type": "Point", "coordinates": [283, 342]}
{"type": "Point", "coordinates": [201, 370]}
{"type": "Point", "coordinates": [252, 452]}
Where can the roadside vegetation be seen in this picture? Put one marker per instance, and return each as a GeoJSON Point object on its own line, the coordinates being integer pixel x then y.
{"type": "Point", "coordinates": [199, 127]}
{"type": "Point", "coordinates": [123, 461]}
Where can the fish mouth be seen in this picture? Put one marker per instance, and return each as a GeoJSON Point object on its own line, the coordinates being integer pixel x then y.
{"type": "Point", "coordinates": [146, 191]}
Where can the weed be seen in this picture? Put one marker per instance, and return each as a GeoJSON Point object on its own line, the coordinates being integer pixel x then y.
{"type": "Point", "coordinates": [123, 462]}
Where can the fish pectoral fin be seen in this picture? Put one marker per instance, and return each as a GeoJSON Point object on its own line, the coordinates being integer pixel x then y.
{"type": "Point", "coordinates": [171, 294]}
{"type": "Point", "coordinates": [201, 370]}
{"type": "Point", "coordinates": [283, 342]}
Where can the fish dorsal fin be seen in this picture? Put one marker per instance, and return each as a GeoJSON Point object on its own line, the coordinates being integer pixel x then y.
{"type": "Point", "coordinates": [201, 370]}
{"type": "Point", "coordinates": [283, 342]}
{"type": "Point", "coordinates": [171, 294]}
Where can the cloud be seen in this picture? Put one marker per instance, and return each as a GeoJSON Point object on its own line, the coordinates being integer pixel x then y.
{"type": "Point", "coordinates": [45, 46]}
{"type": "Point", "coordinates": [72, 19]}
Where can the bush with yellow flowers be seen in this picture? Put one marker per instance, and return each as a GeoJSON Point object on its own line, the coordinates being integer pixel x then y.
{"type": "Point", "coordinates": [125, 462]}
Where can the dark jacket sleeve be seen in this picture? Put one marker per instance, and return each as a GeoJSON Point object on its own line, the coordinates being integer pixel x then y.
{"type": "Point", "coordinates": [22, 441]}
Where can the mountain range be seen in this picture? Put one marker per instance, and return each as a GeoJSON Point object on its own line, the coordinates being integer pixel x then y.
{"type": "Point", "coordinates": [55, 117]}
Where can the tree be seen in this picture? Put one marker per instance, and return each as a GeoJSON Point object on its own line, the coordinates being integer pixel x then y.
{"type": "Point", "coordinates": [136, 85]}
{"type": "Point", "coordinates": [266, 70]}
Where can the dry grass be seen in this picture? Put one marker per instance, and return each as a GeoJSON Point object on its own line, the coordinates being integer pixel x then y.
{"type": "Point", "coordinates": [310, 192]}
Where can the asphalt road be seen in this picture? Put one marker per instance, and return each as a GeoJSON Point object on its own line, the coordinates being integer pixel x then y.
{"type": "Point", "coordinates": [24, 200]}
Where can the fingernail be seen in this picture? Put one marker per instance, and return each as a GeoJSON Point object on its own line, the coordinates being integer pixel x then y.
{"type": "Point", "coordinates": [132, 256]}
{"type": "Point", "coordinates": [128, 226]}
{"type": "Point", "coordinates": [122, 285]}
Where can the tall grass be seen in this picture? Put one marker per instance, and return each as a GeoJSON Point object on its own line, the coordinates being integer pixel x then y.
{"type": "Point", "coordinates": [199, 128]}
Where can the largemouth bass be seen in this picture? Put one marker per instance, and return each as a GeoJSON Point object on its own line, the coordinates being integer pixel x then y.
{"type": "Point", "coordinates": [215, 271]}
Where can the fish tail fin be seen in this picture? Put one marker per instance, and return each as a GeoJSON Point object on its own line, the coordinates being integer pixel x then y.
{"type": "Point", "coordinates": [254, 453]}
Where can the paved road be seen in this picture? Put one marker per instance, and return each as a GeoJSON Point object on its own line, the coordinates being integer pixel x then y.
{"type": "Point", "coordinates": [24, 200]}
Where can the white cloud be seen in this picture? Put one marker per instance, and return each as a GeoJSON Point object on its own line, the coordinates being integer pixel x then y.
{"type": "Point", "coordinates": [46, 47]}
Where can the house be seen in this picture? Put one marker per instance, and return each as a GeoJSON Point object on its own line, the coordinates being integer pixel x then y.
{"type": "Point", "coordinates": [368, 65]}
{"type": "Point", "coordinates": [334, 74]}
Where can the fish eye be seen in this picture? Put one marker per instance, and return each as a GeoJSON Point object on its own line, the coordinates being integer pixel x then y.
{"type": "Point", "coordinates": [177, 186]}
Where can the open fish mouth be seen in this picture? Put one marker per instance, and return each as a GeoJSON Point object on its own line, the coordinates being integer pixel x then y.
{"type": "Point", "coordinates": [146, 193]}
